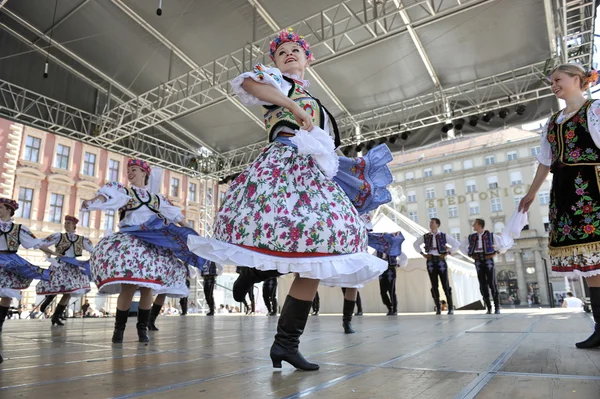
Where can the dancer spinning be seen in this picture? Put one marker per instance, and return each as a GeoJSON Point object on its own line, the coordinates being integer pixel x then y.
{"type": "Point", "coordinates": [571, 151]}
{"type": "Point", "coordinates": [389, 248]}
{"type": "Point", "coordinates": [285, 213]}
{"type": "Point", "coordinates": [68, 276]}
{"type": "Point", "coordinates": [146, 253]}
{"type": "Point", "coordinates": [209, 276]}
{"type": "Point", "coordinates": [436, 250]}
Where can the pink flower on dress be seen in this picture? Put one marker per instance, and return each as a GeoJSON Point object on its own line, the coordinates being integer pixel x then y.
{"type": "Point", "coordinates": [294, 234]}
{"type": "Point", "coordinates": [229, 229]}
{"type": "Point", "coordinates": [256, 216]}
{"type": "Point", "coordinates": [335, 216]}
{"type": "Point", "coordinates": [251, 190]}
{"type": "Point", "coordinates": [268, 208]}
{"type": "Point", "coordinates": [238, 236]}
{"type": "Point", "coordinates": [305, 198]}
{"type": "Point", "coordinates": [331, 189]}
{"type": "Point", "coordinates": [309, 241]}
{"type": "Point", "coordinates": [329, 223]}
{"type": "Point", "coordinates": [282, 235]}
{"type": "Point", "coordinates": [575, 154]}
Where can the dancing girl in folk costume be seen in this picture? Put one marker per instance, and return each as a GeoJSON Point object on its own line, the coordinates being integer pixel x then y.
{"type": "Point", "coordinates": [290, 211]}
{"type": "Point", "coordinates": [388, 247]}
{"type": "Point", "coordinates": [68, 276]}
{"type": "Point", "coordinates": [149, 252]}
{"type": "Point", "coordinates": [570, 149]}
{"type": "Point", "coordinates": [16, 273]}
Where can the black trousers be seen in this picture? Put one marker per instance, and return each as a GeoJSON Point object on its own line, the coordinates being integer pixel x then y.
{"type": "Point", "coordinates": [183, 302]}
{"type": "Point", "coordinates": [252, 306]}
{"type": "Point", "coordinates": [270, 294]}
{"type": "Point", "coordinates": [438, 269]}
{"type": "Point", "coordinates": [387, 288]}
{"type": "Point", "coordinates": [209, 287]}
{"type": "Point", "coordinates": [486, 273]}
{"type": "Point", "coordinates": [316, 305]}
{"type": "Point", "coordinates": [358, 301]}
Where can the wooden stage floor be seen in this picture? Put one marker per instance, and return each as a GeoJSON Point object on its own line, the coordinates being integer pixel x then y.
{"type": "Point", "coordinates": [524, 353]}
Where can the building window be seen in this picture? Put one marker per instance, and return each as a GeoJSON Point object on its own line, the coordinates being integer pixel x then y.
{"type": "Point", "coordinates": [448, 168]}
{"type": "Point", "coordinates": [413, 216]}
{"type": "Point", "coordinates": [518, 199]}
{"type": "Point", "coordinates": [452, 212]}
{"type": "Point", "coordinates": [25, 203]}
{"type": "Point", "coordinates": [468, 164]}
{"type": "Point", "coordinates": [62, 157]}
{"type": "Point", "coordinates": [432, 213]}
{"type": "Point", "coordinates": [113, 170]}
{"type": "Point", "coordinates": [546, 222]}
{"type": "Point", "coordinates": [109, 220]}
{"type": "Point", "coordinates": [509, 256]}
{"type": "Point", "coordinates": [490, 160]}
{"type": "Point", "coordinates": [496, 204]}
{"type": "Point", "coordinates": [191, 224]}
{"type": "Point", "coordinates": [174, 187]}
{"type": "Point", "coordinates": [428, 172]}
{"type": "Point", "coordinates": [450, 190]}
{"type": "Point", "coordinates": [56, 208]}
{"type": "Point", "coordinates": [544, 198]}
{"type": "Point", "coordinates": [535, 151]}
{"type": "Point", "coordinates": [492, 182]}
{"type": "Point", "coordinates": [471, 186]}
{"type": "Point", "coordinates": [455, 233]}
{"type": "Point", "coordinates": [409, 176]}
{"type": "Point", "coordinates": [192, 194]}
{"type": "Point", "coordinates": [85, 216]}
{"type": "Point", "coordinates": [32, 149]}
{"type": "Point", "coordinates": [511, 156]}
{"type": "Point", "coordinates": [430, 193]}
{"type": "Point", "coordinates": [473, 208]}
{"type": "Point", "coordinates": [89, 164]}
{"type": "Point", "coordinates": [412, 196]}
{"type": "Point", "coordinates": [516, 178]}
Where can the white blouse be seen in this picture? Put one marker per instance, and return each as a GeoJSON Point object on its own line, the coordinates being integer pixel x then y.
{"type": "Point", "coordinates": [593, 119]}
{"type": "Point", "coordinates": [54, 239]}
{"type": "Point", "coordinates": [273, 77]}
{"type": "Point", "coordinates": [27, 238]}
{"type": "Point", "coordinates": [116, 198]}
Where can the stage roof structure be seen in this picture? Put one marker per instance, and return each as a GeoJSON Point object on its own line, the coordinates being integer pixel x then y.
{"type": "Point", "coordinates": [125, 79]}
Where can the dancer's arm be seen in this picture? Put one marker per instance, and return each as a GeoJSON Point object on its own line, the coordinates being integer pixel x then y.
{"type": "Point", "coordinates": [538, 180]}
{"type": "Point", "coordinates": [86, 203]}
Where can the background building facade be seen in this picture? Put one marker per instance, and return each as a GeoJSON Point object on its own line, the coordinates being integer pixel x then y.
{"type": "Point", "coordinates": [51, 175]}
{"type": "Point", "coordinates": [485, 177]}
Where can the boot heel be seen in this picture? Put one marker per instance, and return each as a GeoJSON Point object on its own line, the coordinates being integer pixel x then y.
{"type": "Point", "coordinates": [276, 362]}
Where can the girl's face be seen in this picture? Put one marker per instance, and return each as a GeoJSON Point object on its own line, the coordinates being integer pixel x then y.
{"type": "Point", "coordinates": [70, 226]}
{"type": "Point", "coordinates": [5, 212]}
{"type": "Point", "coordinates": [136, 176]}
{"type": "Point", "coordinates": [291, 58]}
{"type": "Point", "coordinates": [565, 86]}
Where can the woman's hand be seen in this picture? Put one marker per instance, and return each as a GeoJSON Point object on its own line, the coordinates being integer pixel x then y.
{"type": "Point", "coordinates": [85, 204]}
{"type": "Point", "coordinates": [526, 202]}
{"type": "Point", "coordinates": [303, 119]}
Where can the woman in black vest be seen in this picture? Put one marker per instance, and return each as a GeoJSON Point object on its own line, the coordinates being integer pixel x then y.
{"type": "Point", "coordinates": [570, 150]}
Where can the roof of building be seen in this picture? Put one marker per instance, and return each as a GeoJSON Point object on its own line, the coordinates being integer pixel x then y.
{"type": "Point", "coordinates": [462, 145]}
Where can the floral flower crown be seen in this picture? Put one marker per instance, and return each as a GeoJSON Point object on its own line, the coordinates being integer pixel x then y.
{"type": "Point", "coordinates": [71, 219]}
{"type": "Point", "coordinates": [288, 36]}
{"type": "Point", "coordinates": [142, 164]}
{"type": "Point", "coordinates": [592, 77]}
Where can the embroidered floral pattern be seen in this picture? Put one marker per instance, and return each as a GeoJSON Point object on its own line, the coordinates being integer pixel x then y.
{"type": "Point", "coordinates": [283, 202]}
{"type": "Point", "coordinates": [584, 219]}
{"type": "Point", "coordinates": [64, 279]}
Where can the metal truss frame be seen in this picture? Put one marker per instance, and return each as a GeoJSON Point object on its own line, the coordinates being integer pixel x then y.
{"type": "Point", "coordinates": [576, 30]}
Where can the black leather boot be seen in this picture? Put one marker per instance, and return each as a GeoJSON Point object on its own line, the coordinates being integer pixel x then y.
{"type": "Point", "coordinates": [290, 327]}
{"type": "Point", "coordinates": [154, 313]}
{"type": "Point", "coordinates": [594, 340]}
{"type": "Point", "coordinates": [248, 276]}
{"type": "Point", "coordinates": [274, 305]}
{"type": "Point", "coordinates": [450, 304]}
{"type": "Point", "coordinates": [183, 302]}
{"type": "Point", "coordinates": [496, 305]}
{"type": "Point", "coordinates": [1, 360]}
{"type": "Point", "coordinates": [120, 323]}
{"type": "Point", "coordinates": [142, 325]}
{"type": "Point", "coordinates": [56, 315]}
{"type": "Point", "coordinates": [488, 305]}
{"type": "Point", "coordinates": [3, 313]}
{"type": "Point", "coordinates": [359, 311]}
{"type": "Point", "coordinates": [47, 301]}
{"type": "Point", "coordinates": [347, 318]}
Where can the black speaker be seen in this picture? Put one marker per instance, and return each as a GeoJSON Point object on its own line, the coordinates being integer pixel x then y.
{"type": "Point", "coordinates": [477, 305]}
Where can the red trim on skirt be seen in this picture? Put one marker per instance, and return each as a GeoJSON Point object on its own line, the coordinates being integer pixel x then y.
{"type": "Point", "coordinates": [129, 279]}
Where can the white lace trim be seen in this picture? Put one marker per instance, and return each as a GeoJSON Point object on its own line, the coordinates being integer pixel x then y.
{"type": "Point", "coordinates": [320, 146]}
{"type": "Point", "coordinates": [348, 270]}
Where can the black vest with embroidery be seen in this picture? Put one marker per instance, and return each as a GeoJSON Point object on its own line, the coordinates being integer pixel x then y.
{"type": "Point", "coordinates": [571, 141]}
{"type": "Point", "coordinates": [153, 203]}
{"type": "Point", "coordinates": [65, 243]}
{"type": "Point", "coordinates": [12, 238]}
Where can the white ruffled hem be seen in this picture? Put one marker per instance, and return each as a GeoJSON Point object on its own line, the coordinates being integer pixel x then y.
{"type": "Point", "coordinates": [348, 270]}
{"type": "Point", "coordinates": [179, 291]}
{"type": "Point", "coordinates": [577, 273]}
{"type": "Point", "coordinates": [320, 146]}
{"type": "Point", "coordinates": [10, 293]}
{"type": "Point", "coordinates": [114, 287]}
{"type": "Point", "coordinates": [76, 292]}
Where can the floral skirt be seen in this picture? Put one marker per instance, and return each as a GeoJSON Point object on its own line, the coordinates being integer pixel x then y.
{"type": "Point", "coordinates": [122, 258]}
{"type": "Point", "coordinates": [574, 242]}
{"type": "Point", "coordinates": [284, 214]}
{"type": "Point", "coordinates": [388, 243]}
{"type": "Point", "coordinates": [16, 274]}
{"type": "Point", "coordinates": [65, 278]}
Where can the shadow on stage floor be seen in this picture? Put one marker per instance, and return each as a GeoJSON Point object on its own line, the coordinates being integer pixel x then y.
{"type": "Point", "coordinates": [525, 353]}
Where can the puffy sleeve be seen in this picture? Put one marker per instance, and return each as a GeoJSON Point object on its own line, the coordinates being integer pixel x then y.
{"type": "Point", "coordinates": [261, 74]}
{"type": "Point", "coordinates": [417, 244]}
{"type": "Point", "coordinates": [27, 238]}
{"type": "Point", "coordinates": [402, 260]}
{"type": "Point", "coordinates": [87, 245]}
{"type": "Point", "coordinates": [545, 155]}
{"type": "Point", "coordinates": [500, 245]}
{"type": "Point", "coordinates": [464, 245]}
{"type": "Point", "coordinates": [171, 212]}
{"type": "Point", "coordinates": [116, 197]}
{"type": "Point", "coordinates": [49, 241]}
{"type": "Point", "coordinates": [454, 243]}
{"type": "Point", "coordinates": [593, 117]}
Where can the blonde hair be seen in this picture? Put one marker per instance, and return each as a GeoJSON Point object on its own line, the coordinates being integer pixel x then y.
{"type": "Point", "coordinates": [585, 77]}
